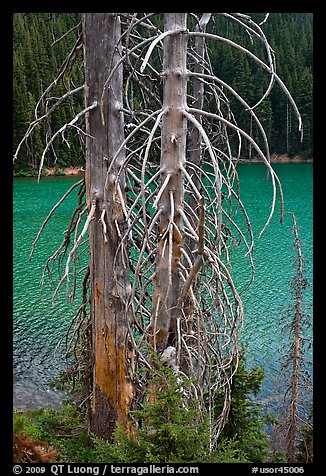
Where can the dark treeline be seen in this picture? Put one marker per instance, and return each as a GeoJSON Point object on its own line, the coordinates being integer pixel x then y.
{"type": "Point", "coordinates": [290, 35]}
{"type": "Point", "coordinates": [41, 46]}
{"type": "Point", "coordinates": [38, 53]}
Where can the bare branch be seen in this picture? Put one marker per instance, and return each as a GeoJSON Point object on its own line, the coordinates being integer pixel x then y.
{"type": "Point", "coordinates": [259, 62]}
{"type": "Point", "coordinates": [77, 243]}
{"type": "Point", "coordinates": [66, 33]}
{"type": "Point", "coordinates": [37, 121]}
{"type": "Point", "coordinates": [257, 148]}
{"type": "Point", "coordinates": [50, 214]}
{"type": "Point", "coordinates": [60, 131]}
{"type": "Point", "coordinates": [153, 44]}
{"type": "Point", "coordinates": [265, 19]}
{"type": "Point", "coordinates": [70, 58]}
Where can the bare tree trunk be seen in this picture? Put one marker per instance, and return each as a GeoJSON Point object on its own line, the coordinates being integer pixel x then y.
{"type": "Point", "coordinates": [293, 415]}
{"type": "Point", "coordinates": [195, 151]}
{"type": "Point", "coordinates": [166, 289]}
{"type": "Point", "coordinates": [195, 139]}
{"type": "Point", "coordinates": [293, 426]}
{"type": "Point", "coordinates": [112, 392]}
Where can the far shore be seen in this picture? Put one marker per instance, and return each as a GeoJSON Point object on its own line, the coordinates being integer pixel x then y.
{"type": "Point", "coordinates": [275, 158]}
{"type": "Point", "coordinates": [278, 158]}
{"type": "Point", "coordinates": [78, 171]}
{"type": "Point", "coordinates": [66, 170]}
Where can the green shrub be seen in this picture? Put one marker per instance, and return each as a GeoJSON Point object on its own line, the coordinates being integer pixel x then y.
{"type": "Point", "coordinates": [245, 421]}
{"type": "Point", "coordinates": [58, 171]}
{"type": "Point", "coordinates": [168, 430]}
{"type": "Point", "coordinates": [228, 452]}
{"type": "Point", "coordinates": [304, 452]}
{"type": "Point", "coordinates": [25, 173]}
{"type": "Point", "coordinates": [64, 430]}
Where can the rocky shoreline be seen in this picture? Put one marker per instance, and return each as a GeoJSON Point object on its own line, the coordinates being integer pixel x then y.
{"type": "Point", "coordinates": [67, 170]}
{"type": "Point", "coordinates": [79, 171]}
{"type": "Point", "coordinates": [275, 158]}
{"type": "Point", "coordinates": [31, 395]}
{"type": "Point", "coordinates": [279, 158]}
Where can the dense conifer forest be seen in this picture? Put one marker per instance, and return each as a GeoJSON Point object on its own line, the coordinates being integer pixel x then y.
{"type": "Point", "coordinates": [42, 42]}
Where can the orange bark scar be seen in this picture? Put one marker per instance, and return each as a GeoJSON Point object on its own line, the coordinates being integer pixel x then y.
{"type": "Point", "coordinates": [105, 374]}
{"type": "Point", "coordinates": [110, 373]}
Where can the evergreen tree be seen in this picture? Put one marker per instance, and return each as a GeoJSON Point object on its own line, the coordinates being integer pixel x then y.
{"type": "Point", "coordinates": [305, 104]}
{"type": "Point", "coordinates": [245, 423]}
{"type": "Point", "coordinates": [168, 429]}
{"type": "Point", "coordinates": [38, 55]}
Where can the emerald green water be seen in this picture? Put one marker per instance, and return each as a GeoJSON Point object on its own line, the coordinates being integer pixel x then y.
{"type": "Point", "coordinates": [268, 296]}
{"type": "Point", "coordinates": [38, 326]}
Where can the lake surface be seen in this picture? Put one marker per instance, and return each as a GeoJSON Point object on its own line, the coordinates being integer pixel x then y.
{"type": "Point", "coordinates": [39, 327]}
{"type": "Point", "coordinates": [266, 300]}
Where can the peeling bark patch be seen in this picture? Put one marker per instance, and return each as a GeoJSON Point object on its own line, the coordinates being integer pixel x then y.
{"type": "Point", "coordinates": [97, 292]}
{"type": "Point", "coordinates": [126, 394]}
{"type": "Point", "coordinates": [110, 374]}
{"type": "Point", "coordinates": [105, 369]}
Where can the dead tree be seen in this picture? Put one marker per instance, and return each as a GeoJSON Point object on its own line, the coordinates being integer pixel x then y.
{"type": "Point", "coordinates": [166, 283]}
{"type": "Point", "coordinates": [296, 367]}
{"type": "Point", "coordinates": [109, 274]}
{"type": "Point", "coordinates": [161, 211]}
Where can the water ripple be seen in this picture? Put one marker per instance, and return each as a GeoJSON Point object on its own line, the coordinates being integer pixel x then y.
{"type": "Point", "coordinates": [38, 326]}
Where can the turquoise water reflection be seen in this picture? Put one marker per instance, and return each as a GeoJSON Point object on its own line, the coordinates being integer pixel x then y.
{"type": "Point", "coordinates": [38, 326]}
{"type": "Point", "coordinates": [269, 295]}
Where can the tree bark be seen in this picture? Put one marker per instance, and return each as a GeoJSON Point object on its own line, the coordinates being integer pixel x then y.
{"type": "Point", "coordinates": [112, 391]}
{"type": "Point", "coordinates": [166, 289]}
{"type": "Point", "coordinates": [195, 151]}
{"type": "Point", "coordinates": [195, 139]}
{"type": "Point", "coordinates": [293, 426]}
